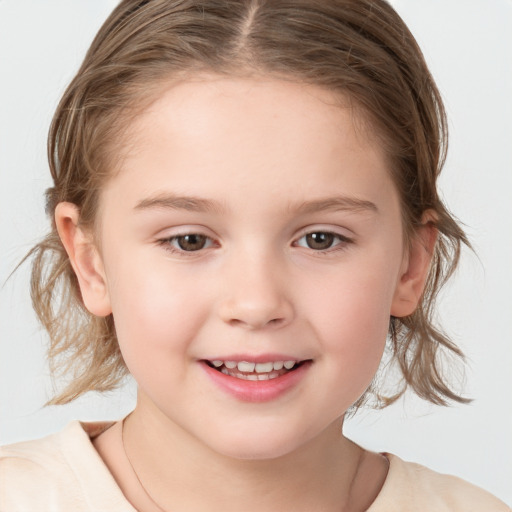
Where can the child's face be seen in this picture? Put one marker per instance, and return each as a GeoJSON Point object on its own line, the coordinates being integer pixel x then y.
{"type": "Point", "coordinates": [295, 254]}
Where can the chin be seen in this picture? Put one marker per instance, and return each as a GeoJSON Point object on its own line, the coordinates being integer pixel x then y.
{"type": "Point", "coordinates": [256, 445]}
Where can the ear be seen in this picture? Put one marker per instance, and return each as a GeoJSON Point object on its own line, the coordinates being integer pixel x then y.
{"type": "Point", "coordinates": [415, 268]}
{"type": "Point", "coordinates": [85, 259]}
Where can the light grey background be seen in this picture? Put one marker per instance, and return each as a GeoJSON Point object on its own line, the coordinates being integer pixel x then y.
{"type": "Point", "coordinates": [468, 44]}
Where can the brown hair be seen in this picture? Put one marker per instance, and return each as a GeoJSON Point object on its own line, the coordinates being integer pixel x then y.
{"type": "Point", "coordinates": [358, 48]}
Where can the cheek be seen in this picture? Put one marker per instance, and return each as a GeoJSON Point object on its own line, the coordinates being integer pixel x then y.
{"type": "Point", "coordinates": [355, 299]}
{"type": "Point", "coordinates": [356, 334]}
{"type": "Point", "coordinates": [351, 320]}
{"type": "Point", "coordinates": [151, 307]}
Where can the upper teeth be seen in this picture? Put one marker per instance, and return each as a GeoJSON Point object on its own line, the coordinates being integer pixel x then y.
{"type": "Point", "coordinates": [244, 366]}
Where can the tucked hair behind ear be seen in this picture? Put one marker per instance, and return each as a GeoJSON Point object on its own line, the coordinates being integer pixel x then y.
{"type": "Point", "coordinates": [360, 49]}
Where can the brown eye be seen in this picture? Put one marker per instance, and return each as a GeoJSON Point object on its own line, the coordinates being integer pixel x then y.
{"type": "Point", "coordinates": [191, 242]}
{"type": "Point", "coordinates": [320, 241]}
{"type": "Point", "coordinates": [323, 241]}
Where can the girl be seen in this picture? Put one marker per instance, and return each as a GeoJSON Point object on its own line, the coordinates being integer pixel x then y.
{"type": "Point", "coordinates": [244, 208]}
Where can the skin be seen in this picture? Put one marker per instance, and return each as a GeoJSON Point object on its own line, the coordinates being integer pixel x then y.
{"type": "Point", "coordinates": [266, 155]}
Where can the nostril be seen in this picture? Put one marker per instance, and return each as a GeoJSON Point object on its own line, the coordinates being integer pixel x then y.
{"type": "Point", "coordinates": [255, 324]}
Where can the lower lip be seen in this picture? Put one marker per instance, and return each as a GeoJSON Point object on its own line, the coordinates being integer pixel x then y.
{"type": "Point", "coordinates": [257, 390]}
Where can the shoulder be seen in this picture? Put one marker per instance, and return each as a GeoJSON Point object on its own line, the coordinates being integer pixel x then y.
{"type": "Point", "coordinates": [33, 472]}
{"type": "Point", "coordinates": [59, 472]}
{"type": "Point", "coordinates": [413, 488]}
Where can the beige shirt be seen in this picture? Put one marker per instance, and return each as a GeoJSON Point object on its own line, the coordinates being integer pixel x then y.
{"type": "Point", "coordinates": [63, 473]}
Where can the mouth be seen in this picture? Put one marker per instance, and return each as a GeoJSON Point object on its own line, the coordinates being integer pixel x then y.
{"type": "Point", "coordinates": [261, 379]}
{"type": "Point", "coordinates": [252, 371]}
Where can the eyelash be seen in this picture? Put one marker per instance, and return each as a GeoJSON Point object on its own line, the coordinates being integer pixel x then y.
{"type": "Point", "coordinates": [342, 243]}
{"type": "Point", "coordinates": [169, 242]}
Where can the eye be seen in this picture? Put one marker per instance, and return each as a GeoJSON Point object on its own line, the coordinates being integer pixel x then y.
{"type": "Point", "coordinates": [322, 240]}
{"type": "Point", "coordinates": [188, 243]}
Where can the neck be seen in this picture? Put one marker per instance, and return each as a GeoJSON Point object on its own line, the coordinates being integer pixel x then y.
{"type": "Point", "coordinates": [180, 473]}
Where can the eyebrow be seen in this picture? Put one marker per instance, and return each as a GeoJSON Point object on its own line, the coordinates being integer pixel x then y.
{"type": "Point", "coordinates": [338, 203]}
{"type": "Point", "coordinates": [173, 202]}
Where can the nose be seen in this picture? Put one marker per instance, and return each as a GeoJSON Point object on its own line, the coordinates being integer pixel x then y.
{"type": "Point", "coordinates": [255, 295]}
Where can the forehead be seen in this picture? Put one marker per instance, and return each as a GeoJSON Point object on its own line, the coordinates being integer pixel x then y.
{"type": "Point", "coordinates": [226, 136]}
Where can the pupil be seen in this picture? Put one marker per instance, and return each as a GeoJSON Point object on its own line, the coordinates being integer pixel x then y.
{"type": "Point", "coordinates": [191, 242]}
{"type": "Point", "coordinates": [320, 240]}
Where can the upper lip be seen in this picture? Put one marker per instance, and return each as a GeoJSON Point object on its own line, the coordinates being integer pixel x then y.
{"type": "Point", "coordinates": [259, 358]}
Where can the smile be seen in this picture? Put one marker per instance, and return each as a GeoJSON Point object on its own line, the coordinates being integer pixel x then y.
{"type": "Point", "coordinates": [256, 381]}
{"type": "Point", "coordinates": [254, 371]}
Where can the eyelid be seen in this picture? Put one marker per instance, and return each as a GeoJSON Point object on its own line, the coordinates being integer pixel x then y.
{"type": "Point", "coordinates": [165, 240]}
{"type": "Point", "coordinates": [183, 230]}
{"type": "Point", "coordinates": [344, 239]}
{"type": "Point", "coordinates": [340, 231]}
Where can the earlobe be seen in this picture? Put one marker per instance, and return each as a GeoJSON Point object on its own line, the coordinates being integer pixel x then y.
{"type": "Point", "coordinates": [85, 259]}
{"type": "Point", "coordinates": [413, 275]}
